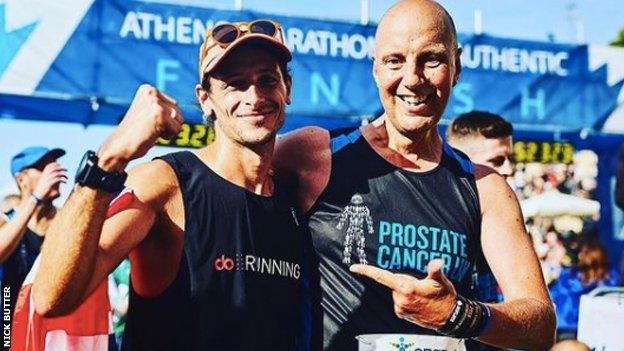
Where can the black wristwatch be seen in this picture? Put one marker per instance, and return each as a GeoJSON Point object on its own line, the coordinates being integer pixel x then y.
{"type": "Point", "coordinates": [89, 174]}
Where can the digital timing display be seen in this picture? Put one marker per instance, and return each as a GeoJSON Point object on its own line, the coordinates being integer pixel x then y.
{"type": "Point", "coordinates": [199, 135]}
{"type": "Point", "coordinates": [543, 152]}
{"type": "Point", "coordinates": [191, 135]}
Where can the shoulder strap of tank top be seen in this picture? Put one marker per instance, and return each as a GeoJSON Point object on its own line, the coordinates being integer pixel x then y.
{"type": "Point", "coordinates": [461, 158]}
{"type": "Point", "coordinates": [184, 164]}
{"type": "Point", "coordinates": [339, 142]}
{"type": "Point", "coordinates": [466, 168]}
{"type": "Point", "coordinates": [9, 215]}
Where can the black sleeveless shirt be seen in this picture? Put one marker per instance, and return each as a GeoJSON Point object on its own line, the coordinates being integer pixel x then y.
{"type": "Point", "coordinates": [19, 263]}
{"type": "Point", "coordinates": [240, 281]}
{"type": "Point", "coordinates": [373, 212]}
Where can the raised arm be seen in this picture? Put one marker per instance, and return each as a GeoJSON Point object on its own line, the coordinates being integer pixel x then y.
{"type": "Point", "coordinates": [526, 319]}
{"type": "Point", "coordinates": [82, 247]}
{"type": "Point", "coordinates": [12, 231]}
{"type": "Point", "coordinates": [89, 238]}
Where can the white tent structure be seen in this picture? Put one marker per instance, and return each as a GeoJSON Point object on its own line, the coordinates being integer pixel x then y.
{"type": "Point", "coordinates": [553, 203]}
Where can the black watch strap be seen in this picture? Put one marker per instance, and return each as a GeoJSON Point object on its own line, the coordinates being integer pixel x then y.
{"type": "Point", "coordinates": [90, 175]}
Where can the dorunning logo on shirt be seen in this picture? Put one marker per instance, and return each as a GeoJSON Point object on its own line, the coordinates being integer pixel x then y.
{"type": "Point", "coordinates": [258, 264]}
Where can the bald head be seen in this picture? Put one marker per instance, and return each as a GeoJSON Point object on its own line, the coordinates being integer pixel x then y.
{"type": "Point", "coordinates": [570, 345]}
{"type": "Point", "coordinates": [423, 11]}
{"type": "Point", "coordinates": [416, 64]}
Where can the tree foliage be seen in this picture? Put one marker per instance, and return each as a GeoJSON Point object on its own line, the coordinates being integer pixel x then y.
{"type": "Point", "coordinates": [619, 41]}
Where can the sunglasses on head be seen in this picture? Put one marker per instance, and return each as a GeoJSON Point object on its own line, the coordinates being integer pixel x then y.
{"type": "Point", "coordinates": [227, 33]}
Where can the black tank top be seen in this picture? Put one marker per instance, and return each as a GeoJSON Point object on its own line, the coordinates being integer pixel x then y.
{"type": "Point", "coordinates": [17, 266]}
{"type": "Point", "coordinates": [373, 212]}
{"type": "Point", "coordinates": [240, 281]}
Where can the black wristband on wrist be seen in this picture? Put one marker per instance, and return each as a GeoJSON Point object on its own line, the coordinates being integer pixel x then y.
{"type": "Point", "coordinates": [467, 320]}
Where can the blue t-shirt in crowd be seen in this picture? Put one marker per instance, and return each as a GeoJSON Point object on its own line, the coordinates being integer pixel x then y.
{"type": "Point", "coordinates": [566, 294]}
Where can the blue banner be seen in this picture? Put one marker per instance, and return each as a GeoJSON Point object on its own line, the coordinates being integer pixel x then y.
{"type": "Point", "coordinates": [117, 45]}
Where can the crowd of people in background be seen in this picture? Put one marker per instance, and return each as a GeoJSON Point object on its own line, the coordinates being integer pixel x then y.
{"type": "Point", "coordinates": [557, 238]}
{"type": "Point", "coordinates": [573, 259]}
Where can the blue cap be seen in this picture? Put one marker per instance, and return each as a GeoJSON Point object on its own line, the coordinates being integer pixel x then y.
{"type": "Point", "coordinates": [30, 156]}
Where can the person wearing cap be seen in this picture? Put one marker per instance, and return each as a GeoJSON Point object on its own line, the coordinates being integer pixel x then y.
{"type": "Point", "coordinates": [399, 218]}
{"type": "Point", "coordinates": [215, 245]}
{"type": "Point", "coordinates": [38, 176]}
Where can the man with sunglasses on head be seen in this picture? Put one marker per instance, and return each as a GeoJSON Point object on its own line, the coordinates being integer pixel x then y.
{"type": "Point", "coordinates": [215, 245]}
{"type": "Point", "coordinates": [399, 218]}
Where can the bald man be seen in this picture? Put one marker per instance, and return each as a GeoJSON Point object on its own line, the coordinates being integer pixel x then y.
{"type": "Point", "coordinates": [399, 218]}
{"type": "Point", "coordinates": [485, 137]}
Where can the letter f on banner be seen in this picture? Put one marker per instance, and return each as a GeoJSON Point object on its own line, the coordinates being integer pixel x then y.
{"type": "Point", "coordinates": [164, 75]}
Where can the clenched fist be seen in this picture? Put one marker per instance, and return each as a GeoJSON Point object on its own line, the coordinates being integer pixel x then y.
{"type": "Point", "coordinates": [151, 115]}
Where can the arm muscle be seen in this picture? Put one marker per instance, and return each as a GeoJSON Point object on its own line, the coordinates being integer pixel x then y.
{"type": "Point", "coordinates": [526, 319]}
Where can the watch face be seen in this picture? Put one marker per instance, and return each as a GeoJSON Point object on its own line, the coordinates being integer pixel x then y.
{"type": "Point", "coordinates": [89, 174]}
{"type": "Point", "coordinates": [83, 166]}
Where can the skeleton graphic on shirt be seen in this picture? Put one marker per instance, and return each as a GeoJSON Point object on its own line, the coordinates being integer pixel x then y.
{"type": "Point", "coordinates": [354, 215]}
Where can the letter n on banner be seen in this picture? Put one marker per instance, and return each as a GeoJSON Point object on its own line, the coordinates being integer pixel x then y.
{"type": "Point", "coordinates": [331, 92]}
